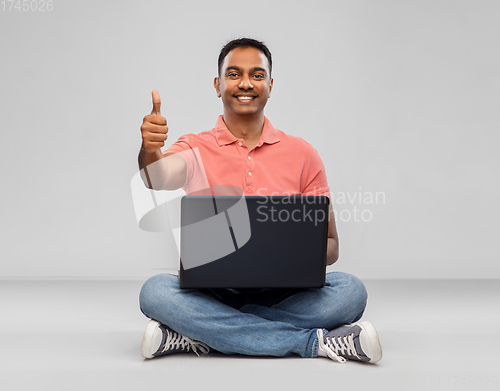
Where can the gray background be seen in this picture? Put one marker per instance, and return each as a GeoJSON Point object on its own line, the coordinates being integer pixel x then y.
{"type": "Point", "coordinates": [399, 97]}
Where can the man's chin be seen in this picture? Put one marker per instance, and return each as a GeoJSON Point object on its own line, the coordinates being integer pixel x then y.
{"type": "Point", "coordinates": [246, 112]}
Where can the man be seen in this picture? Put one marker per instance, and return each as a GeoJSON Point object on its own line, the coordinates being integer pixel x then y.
{"type": "Point", "coordinates": [245, 150]}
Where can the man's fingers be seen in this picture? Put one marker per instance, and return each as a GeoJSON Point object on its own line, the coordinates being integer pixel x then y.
{"type": "Point", "coordinates": [156, 103]}
{"type": "Point", "coordinates": [155, 119]}
{"type": "Point", "coordinates": [157, 137]}
{"type": "Point", "coordinates": [155, 129]}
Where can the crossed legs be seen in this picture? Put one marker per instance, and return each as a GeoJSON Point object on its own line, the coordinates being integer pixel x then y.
{"type": "Point", "coordinates": [270, 323]}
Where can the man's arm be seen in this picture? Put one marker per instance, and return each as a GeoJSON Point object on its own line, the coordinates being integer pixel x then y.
{"type": "Point", "coordinates": [332, 253]}
{"type": "Point", "coordinates": [157, 171]}
{"type": "Point", "coordinates": [160, 172]}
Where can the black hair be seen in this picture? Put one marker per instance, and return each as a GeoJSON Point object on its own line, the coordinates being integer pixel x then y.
{"type": "Point", "coordinates": [245, 43]}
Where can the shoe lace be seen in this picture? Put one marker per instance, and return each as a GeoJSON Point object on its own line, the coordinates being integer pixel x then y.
{"type": "Point", "coordinates": [337, 347]}
{"type": "Point", "coordinates": [177, 341]}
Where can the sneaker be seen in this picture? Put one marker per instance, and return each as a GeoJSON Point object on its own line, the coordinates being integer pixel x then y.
{"type": "Point", "coordinates": [159, 340]}
{"type": "Point", "coordinates": [357, 341]}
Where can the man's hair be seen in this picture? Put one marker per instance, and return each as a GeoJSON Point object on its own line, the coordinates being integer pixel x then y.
{"type": "Point", "coordinates": [245, 43]}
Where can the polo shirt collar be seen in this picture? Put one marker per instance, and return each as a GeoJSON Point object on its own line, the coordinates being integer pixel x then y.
{"type": "Point", "coordinates": [224, 136]}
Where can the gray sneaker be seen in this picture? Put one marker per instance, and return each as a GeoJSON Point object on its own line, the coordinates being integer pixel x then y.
{"type": "Point", "coordinates": [159, 340]}
{"type": "Point", "coordinates": [358, 341]}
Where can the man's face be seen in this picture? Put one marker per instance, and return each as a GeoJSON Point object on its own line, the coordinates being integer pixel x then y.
{"type": "Point", "coordinates": [244, 84]}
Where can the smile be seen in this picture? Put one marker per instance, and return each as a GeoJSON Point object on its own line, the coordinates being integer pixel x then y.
{"type": "Point", "coordinates": [245, 98]}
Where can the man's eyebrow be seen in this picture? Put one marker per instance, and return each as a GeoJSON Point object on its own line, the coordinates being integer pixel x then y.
{"type": "Point", "coordinates": [254, 69]}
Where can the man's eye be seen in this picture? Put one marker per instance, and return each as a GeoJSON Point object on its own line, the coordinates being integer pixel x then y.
{"type": "Point", "coordinates": [259, 76]}
{"type": "Point", "coordinates": [232, 75]}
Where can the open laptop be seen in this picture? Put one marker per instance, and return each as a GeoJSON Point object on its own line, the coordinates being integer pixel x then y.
{"type": "Point", "coordinates": [253, 242]}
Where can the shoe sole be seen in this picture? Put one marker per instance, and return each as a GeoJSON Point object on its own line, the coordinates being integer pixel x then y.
{"type": "Point", "coordinates": [376, 350]}
{"type": "Point", "coordinates": [148, 337]}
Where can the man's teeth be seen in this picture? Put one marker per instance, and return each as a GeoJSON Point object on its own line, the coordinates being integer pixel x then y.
{"type": "Point", "coordinates": [245, 97]}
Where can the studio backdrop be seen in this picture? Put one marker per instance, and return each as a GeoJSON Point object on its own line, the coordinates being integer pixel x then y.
{"type": "Point", "coordinates": [400, 99]}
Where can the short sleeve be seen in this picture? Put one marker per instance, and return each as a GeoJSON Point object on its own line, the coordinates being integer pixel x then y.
{"type": "Point", "coordinates": [315, 182]}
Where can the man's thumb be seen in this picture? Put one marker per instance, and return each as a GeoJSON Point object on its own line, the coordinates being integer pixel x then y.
{"type": "Point", "coordinates": [156, 103]}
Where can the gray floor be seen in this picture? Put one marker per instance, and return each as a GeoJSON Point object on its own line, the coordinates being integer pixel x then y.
{"type": "Point", "coordinates": [86, 335]}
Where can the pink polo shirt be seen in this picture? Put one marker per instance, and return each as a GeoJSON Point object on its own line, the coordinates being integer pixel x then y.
{"type": "Point", "coordinates": [279, 164]}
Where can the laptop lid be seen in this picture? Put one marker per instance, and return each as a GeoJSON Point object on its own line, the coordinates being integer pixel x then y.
{"type": "Point", "coordinates": [253, 242]}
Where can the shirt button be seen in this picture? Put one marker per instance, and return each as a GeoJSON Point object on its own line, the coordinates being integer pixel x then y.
{"type": "Point", "coordinates": [249, 158]}
{"type": "Point", "coordinates": [240, 143]}
{"type": "Point", "coordinates": [250, 173]}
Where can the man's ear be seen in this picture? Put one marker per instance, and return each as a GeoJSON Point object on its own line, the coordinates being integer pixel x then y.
{"type": "Point", "coordinates": [217, 86]}
{"type": "Point", "coordinates": [270, 87]}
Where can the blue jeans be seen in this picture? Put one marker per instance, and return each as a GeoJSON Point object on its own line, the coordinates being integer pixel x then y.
{"type": "Point", "coordinates": [266, 322]}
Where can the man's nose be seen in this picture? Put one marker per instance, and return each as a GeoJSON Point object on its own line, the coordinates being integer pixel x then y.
{"type": "Point", "coordinates": [245, 83]}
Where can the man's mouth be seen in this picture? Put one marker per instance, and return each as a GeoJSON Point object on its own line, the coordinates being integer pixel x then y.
{"type": "Point", "coordinates": [245, 98]}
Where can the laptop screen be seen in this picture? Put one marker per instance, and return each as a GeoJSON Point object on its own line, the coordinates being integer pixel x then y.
{"type": "Point", "coordinates": [253, 242]}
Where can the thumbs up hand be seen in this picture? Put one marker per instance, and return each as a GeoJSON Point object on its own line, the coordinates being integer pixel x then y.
{"type": "Point", "coordinates": [154, 127]}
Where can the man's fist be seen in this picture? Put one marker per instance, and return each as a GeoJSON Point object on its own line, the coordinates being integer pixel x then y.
{"type": "Point", "coordinates": [154, 127]}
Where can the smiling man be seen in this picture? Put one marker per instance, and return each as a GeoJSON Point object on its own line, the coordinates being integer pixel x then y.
{"type": "Point", "coordinates": [246, 151]}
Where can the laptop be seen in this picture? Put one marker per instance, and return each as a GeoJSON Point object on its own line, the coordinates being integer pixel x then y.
{"type": "Point", "coordinates": [253, 242]}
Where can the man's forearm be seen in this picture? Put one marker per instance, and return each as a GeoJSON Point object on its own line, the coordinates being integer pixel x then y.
{"type": "Point", "coordinates": [332, 251]}
{"type": "Point", "coordinates": [146, 158]}
{"type": "Point", "coordinates": [151, 177]}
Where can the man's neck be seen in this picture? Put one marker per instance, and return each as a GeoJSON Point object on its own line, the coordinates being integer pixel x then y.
{"type": "Point", "coordinates": [246, 128]}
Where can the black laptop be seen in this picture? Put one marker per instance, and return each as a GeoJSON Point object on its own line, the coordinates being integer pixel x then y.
{"type": "Point", "coordinates": [253, 242]}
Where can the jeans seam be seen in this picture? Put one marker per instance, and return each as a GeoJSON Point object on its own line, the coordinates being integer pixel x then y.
{"type": "Point", "coordinates": [316, 344]}
{"type": "Point", "coordinates": [315, 347]}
